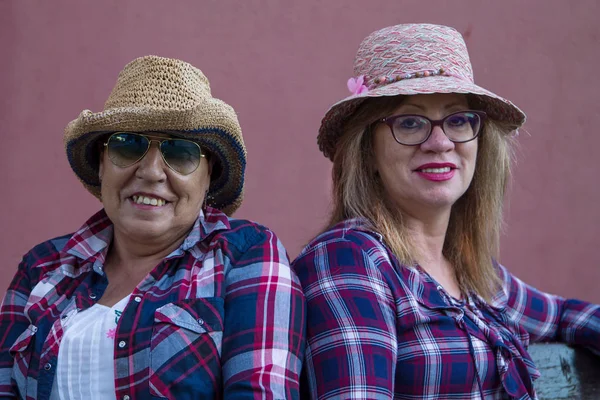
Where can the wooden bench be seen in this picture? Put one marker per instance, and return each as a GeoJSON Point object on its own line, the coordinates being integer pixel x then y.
{"type": "Point", "coordinates": [567, 373]}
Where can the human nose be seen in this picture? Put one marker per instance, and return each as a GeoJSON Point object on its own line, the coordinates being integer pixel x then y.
{"type": "Point", "coordinates": [437, 141]}
{"type": "Point", "coordinates": [152, 166]}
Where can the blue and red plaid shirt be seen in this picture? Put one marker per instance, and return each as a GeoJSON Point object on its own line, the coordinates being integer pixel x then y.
{"type": "Point", "coordinates": [221, 317]}
{"type": "Point", "coordinates": [380, 330]}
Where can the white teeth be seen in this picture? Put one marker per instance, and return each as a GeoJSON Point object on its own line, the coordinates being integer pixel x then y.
{"type": "Point", "coordinates": [148, 200]}
{"type": "Point", "coordinates": [436, 170]}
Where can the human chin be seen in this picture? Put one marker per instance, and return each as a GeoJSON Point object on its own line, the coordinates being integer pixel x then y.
{"type": "Point", "coordinates": [442, 197]}
{"type": "Point", "coordinates": [435, 194]}
{"type": "Point", "coordinates": [143, 228]}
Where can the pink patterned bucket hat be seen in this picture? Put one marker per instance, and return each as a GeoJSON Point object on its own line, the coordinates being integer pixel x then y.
{"type": "Point", "coordinates": [407, 60]}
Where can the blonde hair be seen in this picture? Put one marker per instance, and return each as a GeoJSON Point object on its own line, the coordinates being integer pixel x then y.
{"type": "Point", "coordinates": [472, 238]}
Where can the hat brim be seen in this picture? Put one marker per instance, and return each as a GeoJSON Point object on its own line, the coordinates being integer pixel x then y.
{"type": "Point", "coordinates": [496, 107]}
{"type": "Point", "coordinates": [212, 124]}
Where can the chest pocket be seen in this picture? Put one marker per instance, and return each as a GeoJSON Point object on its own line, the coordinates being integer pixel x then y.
{"type": "Point", "coordinates": [185, 349]}
{"type": "Point", "coordinates": [21, 352]}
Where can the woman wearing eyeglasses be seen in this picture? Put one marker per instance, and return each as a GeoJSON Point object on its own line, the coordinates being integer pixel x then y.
{"type": "Point", "coordinates": [161, 294]}
{"type": "Point", "coordinates": [404, 297]}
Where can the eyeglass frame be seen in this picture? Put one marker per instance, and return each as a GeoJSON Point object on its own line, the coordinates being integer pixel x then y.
{"type": "Point", "coordinates": [389, 121]}
{"type": "Point", "coordinates": [160, 142]}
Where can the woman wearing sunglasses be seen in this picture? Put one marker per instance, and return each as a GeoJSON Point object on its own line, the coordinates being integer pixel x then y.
{"type": "Point", "coordinates": [404, 297]}
{"type": "Point", "coordinates": [161, 294]}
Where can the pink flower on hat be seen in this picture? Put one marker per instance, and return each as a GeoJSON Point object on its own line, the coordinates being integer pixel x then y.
{"type": "Point", "coordinates": [356, 85]}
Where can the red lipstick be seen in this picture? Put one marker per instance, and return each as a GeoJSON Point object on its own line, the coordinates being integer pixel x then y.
{"type": "Point", "coordinates": [436, 172]}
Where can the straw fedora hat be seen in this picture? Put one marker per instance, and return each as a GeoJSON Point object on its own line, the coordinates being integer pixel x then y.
{"type": "Point", "coordinates": [407, 60]}
{"type": "Point", "coordinates": [161, 94]}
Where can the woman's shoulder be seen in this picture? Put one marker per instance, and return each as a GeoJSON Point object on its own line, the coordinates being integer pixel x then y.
{"type": "Point", "coordinates": [348, 255]}
{"type": "Point", "coordinates": [355, 233]}
{"type": "Point", "coordinates": [50, 254]}
{"type": "Point", "coordinates": [351, 247]}
{"type": "Point", "coordinates": [243, 234]}
{"type": "Point", "coordinates": [44, 257]}
{"type": "Point", "coordinates": [46, 250]}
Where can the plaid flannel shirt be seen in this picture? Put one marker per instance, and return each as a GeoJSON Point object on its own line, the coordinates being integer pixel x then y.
{"type": "Point", "coordinates": [221, 317]}
{"type": "Point", "coordinates": [381, 330]}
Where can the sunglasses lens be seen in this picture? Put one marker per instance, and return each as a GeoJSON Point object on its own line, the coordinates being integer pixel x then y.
{"type": "Point", "coordinates": [125, 149]}
{"type": "Point", "coordinates": [182, 155]}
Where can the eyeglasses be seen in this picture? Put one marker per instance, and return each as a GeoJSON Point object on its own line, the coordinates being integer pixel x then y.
{"type": "Point", "coordinates": [412, 130]}
{"type": "Point", "coordinates": [125, 149]}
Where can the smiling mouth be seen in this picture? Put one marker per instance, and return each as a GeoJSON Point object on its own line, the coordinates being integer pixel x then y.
{"type": "Point", "coordinates": [443, 170]}
{"type": "Point", "coordinates": [148, 200]}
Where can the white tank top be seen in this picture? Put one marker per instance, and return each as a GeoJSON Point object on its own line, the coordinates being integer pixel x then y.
{"type": "Point", "coordinates": [85, 367]}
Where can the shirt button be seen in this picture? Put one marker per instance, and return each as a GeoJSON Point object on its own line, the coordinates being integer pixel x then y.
{"type": "Point", "coordinates": [125, 397]}
{"type": "Point", "coordinates": [48, 366]}
{"type": "Point", "coordinates": [200, 321]}
{"type": "Point", "coordinates": [122, 344]}
{"type": "Point", "coordinates": [92, 295]}
{"type": "Point", "coordinates": [137, 299]}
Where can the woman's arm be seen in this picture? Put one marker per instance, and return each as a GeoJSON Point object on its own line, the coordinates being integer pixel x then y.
{"type": "Point", "coordinates": [264, 336]}
{"type": "Point", "coordinates": [551, 318]}
{"type": "Point", "coordinates": [13, 323]}
{"type": "Point", "coordinates": [351, 331]}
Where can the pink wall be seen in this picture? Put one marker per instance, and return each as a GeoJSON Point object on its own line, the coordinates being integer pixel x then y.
{"type": "Point", "coordinates": [281, 64]}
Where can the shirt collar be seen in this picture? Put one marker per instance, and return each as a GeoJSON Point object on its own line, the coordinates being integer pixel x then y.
{"type": "Point", "coordinates": [208, 222]}
{"type": "Point", "coordinates": [91, 242]}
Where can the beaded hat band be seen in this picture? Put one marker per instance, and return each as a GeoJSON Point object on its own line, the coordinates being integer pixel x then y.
{"type": "Point", "coordinates": [161, 94]}
{"type": "Point", "coordinates": [408, 60]}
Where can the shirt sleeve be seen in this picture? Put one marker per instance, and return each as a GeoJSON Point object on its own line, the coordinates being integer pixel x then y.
{"type": "Point", "coordinates": [551, 318]}
{"type": "Point", "coordinates": [264, 336]}
{"type": "Point", "coordinates": [351, 331]}
{"type": "Point", "coordinates": [13, 323]}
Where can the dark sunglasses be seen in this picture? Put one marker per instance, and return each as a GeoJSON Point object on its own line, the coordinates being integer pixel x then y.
{"type": "Point", "coordinates": [126, 148]}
